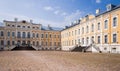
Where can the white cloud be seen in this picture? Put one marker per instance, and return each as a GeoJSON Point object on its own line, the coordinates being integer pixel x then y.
{"type": "Point", "coordinates": [64, 14]}
{"type": "Point", "coordinates": [74, 16]}
{"type": "Point", "coordinates": [98, 1]}
{"type": "Point", "coordinates": [48, 8]}
{"type": "Point", "coordinates": [57, 12]}
{"type": "Point", "coordinates": [44, 22]}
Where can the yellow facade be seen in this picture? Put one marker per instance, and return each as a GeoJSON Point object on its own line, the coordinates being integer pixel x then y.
{"type": "Point", "coordinates": [98, 29]}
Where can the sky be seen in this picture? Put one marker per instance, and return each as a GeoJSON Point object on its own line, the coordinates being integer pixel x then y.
{"type": "Point", "coordinates": [56, 13]}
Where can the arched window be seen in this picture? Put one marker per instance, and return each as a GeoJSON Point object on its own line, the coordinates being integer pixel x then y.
{"type": "Point", "coordinates": [24, 35]}
{"type": "Point", "coordinates": [99, 26]}
{"type": "Point", "coordinates": [87, 29]}
{"type": "Point", "coordinates": [28, 35]}
{"type": "Point", "coordinates": [19, 35]}
{"type": "Point", "coordinates": [33, 34]}
{"type": "Point", "coordinates": [105, 24]}
{"type": "Point", "coordinates": [2, 34]}
{"type": "Point", "coordinates": [92, 28]}
{"type": "Point", "coordinates": [8, 34]}
{"type": "Point", "coordinates": [37, 35]}
{"type": "Point", "coordinates": [37, 43]}
{"type": "Point", "coordinates": [114, 21]}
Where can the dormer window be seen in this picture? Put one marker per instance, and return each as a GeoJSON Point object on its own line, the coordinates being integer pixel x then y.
{"type": "Point", "coordinates": [110, 7]}
{"type": "Point", "coordinates": [23, 21]}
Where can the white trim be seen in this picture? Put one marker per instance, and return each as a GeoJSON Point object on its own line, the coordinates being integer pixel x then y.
{"type": "Point", "coordinates": [112, 21]}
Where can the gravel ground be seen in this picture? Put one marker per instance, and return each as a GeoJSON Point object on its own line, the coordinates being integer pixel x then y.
{"type": "Point", "coordinates": [57, 61]}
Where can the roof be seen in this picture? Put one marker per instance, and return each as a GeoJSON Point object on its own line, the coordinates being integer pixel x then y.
{"type": "Point", "coordinates": [51, 28]}
{"type": "Point", "coordinates": [114, 8]}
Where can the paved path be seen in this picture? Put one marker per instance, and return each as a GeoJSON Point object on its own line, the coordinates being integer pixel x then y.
{"type": "Point", "coordinates": [57, 61]}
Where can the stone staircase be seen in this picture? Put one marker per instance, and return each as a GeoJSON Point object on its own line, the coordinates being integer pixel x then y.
{"type": "Point", "coordinates": [77, 49]}
{"type": "Point", "coordinates": [23, 48]}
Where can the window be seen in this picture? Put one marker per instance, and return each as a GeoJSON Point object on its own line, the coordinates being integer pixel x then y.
{"type": "Point", "coordinates": [92, 39]}
{"type": "Point", "coordinates": [105, 24]}
{"type": "Point", "coordinates": [8, 25]}
{"type": "Point", "coordinates": [33, 34]}
{"type": "Point", "coordinates": [37, 43]}
{"type": "Point", "coordinates": [75, 42]}
{"type": "Point", "coordinates": [72, 33]}
{"type": "Point", "coordinates": [37, 35]}
{"type": "Point", "coordinates": [75, 32]}
{"type": "Point", "coordinates": [18, 26]}
{"type": "Point", "coordinates": [92, 28]}
{"type": "Point", "coordinates": [87, 40]}
{"type": "Point", "coordinates": [2, 42]}
{"type": "Point", "coordinates": [28, 42]}
{"type": "Point", "coordinates": [78, 31]}
{"type": "Point", "coordinates": [13, 34]}
{"type": "Point", "coordinates": [114, 21]}
{"type": "Point", "coordinates": [55, 36]}
{"type": "Point", "coordinates": [87, 31]}
{"type": "Point", "coordinates": [72, 42]}
{"type": "Point", "coordinates": [19, 35]}
{"type": "Point", "coordinates": [18, 42]}
{"type": "Point", "coordinates": [8, 34]}
{"type": "Point", "coordinates": [13, 25]}
{"type": "Point", "coordinates": [106, 39]}
{"type": "Point", "coordinates": [42, 43]}
{"type": "Point", "coordinates": [69, 34]}
{"type": "Point", "coordinates": [78, 41]}
{"type": "Point", "coordinates": [8, 42]}
{"type": "Point", "coordinates": [13, 42]}
{"type": "Point", "coordinates": [98, 26]}
{"type": "Point", "coordinates": [114, 38]}
{"type": "Point", "coordinates": [82, 40]}
{"type": "Point", "coordinates": [58, 43]}
{"type": "Point", "coordinates": [24, 35]}
{"type": "Point", "coordinates": [42, 35]}
{"type": "Point", "coordinates": [33, 43]}
{"type": "Point", "coordinates": [2, 34]}
{"type": "Point", "coordinates": [28, 35]}
{"type": "Point", "coordinates": [46, 35]}
{"type": "Point", "coordinates": [83, 30]}
{"type": "Point", "coordinates": [28, 26]}
{"type": "Point", "coordinates": [23, 42]}
{"type": "Point", "coordinates": [98, 39]}
{"type": "Point", "coordinates": [50, 35]}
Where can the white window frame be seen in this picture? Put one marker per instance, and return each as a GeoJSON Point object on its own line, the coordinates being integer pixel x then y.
{"type": "Point", "coordinates": [112, 21]}
{"type": "Point", "coordinates": [107, 24]}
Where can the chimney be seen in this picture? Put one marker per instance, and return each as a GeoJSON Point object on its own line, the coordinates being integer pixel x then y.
{"type": "Point", "coordinates": [97, 11]}
{"type": "Point", "coordinates": [16, 19]}
{"type": "Point", "coordinates": [31, 21]}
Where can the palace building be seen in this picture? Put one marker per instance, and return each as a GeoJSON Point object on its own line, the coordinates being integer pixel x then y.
{"type": "Point", "coordinates": [100, 32]}
{"type": "Point", "coordinates": [93, 33]}
{"type": "Point", "coordinates": [20, 33]}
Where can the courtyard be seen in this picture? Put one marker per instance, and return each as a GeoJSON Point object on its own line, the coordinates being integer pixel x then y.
{"type": "Point", "coordinates": [58, 61]}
